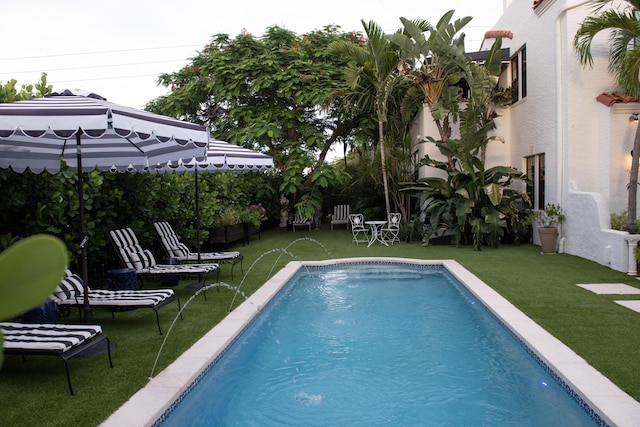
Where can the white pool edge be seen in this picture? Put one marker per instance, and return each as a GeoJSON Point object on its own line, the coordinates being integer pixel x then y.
{"type": "Point", "coordinates": [146, 406]}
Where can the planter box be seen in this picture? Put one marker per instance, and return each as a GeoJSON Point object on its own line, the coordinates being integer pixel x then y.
{"type": "Point", "coordinates": [227, 234]}
{"type": "Point", "coordinates": [250, 230]}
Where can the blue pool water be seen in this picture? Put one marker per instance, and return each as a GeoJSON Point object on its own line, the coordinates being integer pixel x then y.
{"type": "Point", "coordinates": [383, 344]}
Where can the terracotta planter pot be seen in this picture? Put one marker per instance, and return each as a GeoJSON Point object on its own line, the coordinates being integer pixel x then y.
{"type": "Point", "coordinates": [548, 236]}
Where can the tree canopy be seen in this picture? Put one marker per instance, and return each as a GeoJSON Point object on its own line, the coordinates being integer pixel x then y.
{"type": "Point", "coordinates": [272, 94]}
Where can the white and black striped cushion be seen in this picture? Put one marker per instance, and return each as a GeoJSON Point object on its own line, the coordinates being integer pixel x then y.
{"type": "Point", "coordinates": [169, 240]}
{"type": "Point", "coordinates": [142, 260]}
{"type": "Point", "coordinates": [71, 292]}
{"type": "Point", "coordinates": [70, 288]}
{"type": "Point", "coordinates": [130, 250]}
{"type": "Point", "coordinates": [46, 337]}
{"type": "Point", "coordinates": [125, 297]}
{"type": "Point", "coordinates": [181, 252]}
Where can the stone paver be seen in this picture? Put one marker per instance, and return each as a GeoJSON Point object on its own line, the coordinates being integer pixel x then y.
{"type": "Point", "coordinates": [631, 304]}
{"type": "Point", "coordinates": [610, 288]}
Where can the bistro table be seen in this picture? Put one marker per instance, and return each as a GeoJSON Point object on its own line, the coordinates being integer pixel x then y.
{"type": "Point", "coordinates": [376, 232]}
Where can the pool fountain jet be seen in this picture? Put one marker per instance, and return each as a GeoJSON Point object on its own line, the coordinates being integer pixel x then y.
{"type": "Point", "coordinates": [283, 251]}
{"type": "Point", "coordinates": [201, 289]}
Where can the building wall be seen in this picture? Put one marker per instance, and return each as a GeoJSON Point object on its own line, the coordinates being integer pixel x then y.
{"type": "Point", "coordinates": [586, 144]}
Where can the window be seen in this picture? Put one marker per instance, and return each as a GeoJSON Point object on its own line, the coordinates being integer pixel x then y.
{"type": "Point", "coordinates": [535, 173]}
{"type": "Point", "coordinates": [519, 75]}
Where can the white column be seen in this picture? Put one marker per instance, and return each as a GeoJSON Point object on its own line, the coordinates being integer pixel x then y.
{"type": "Point", "coordinates": [632, 242]}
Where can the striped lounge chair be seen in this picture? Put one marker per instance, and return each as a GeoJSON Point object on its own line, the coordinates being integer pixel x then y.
{"type": "Point", "coordinates": [142, 261]}
{"type": "Point", "coordinates": [176, 249]}
{"type": "Point", "coordinates": [301, 221]}
{"type": "Point", "coordinates": [340, 215]}
{"type": "Point", "coordinates": [70, 293]}
{"type": "Point", "coordinates": [51, 339]}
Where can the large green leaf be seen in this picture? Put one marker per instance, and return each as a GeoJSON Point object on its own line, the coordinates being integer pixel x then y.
{"type": "Point", "coordinates": [29, 272]}
{"type": "Point", "coordinates": [494, 191]}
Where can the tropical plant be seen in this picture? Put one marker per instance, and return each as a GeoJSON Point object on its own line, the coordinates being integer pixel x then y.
{"type": "Point", "coordinates": [372, 76]}
{"type": "Point", "coordinates": [624, 64]}
{"type": "Point", "coordinates": [441, 63]}
{"type": "Point", "coordinates": [472, 202]}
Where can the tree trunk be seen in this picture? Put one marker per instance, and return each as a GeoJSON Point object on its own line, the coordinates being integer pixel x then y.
{"type": "Point", "coordinates": [384, 164]}
{"type": "Point", "coordinates": [633, 183]}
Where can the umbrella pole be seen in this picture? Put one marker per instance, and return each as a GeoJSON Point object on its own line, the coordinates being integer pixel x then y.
{"type": "Point", "coordinates": [83, 233]}
{"type": "Point", "coordinates": [197, 214]}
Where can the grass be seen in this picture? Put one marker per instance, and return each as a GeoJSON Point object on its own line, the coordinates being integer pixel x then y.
{"type": "Point", "coordinates": [543, 286]}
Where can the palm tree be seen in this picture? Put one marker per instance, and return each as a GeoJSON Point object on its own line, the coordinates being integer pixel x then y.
{"type": "Point", "coordinates": [372, 77]}
{"type": "Point", "coordinates": [624, 64]}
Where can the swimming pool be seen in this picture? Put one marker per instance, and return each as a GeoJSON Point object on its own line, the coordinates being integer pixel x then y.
{"type": "Point", "coordinates": [182, 373]}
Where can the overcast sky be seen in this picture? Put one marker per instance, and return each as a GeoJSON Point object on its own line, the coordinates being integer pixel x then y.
{"type": "Point", "coordinates": [118, 48]}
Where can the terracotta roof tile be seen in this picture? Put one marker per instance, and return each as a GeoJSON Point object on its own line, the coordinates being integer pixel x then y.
{"type": "Point", "coordinates": [492, 34]}
{"type": "Point", "coordinates": [609, 99]}
{"type": "Point", "coordinates": [536, 3]}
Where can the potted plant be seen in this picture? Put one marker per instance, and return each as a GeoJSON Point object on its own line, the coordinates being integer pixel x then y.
{"type": "Point", "coordinates": [252, 217]}
{"type": "Point", "coordinates": [548, 220]}
{"type": "Point", "coordinates": [228, 227]}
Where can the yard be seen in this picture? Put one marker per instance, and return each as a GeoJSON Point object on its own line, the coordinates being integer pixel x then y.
{"type": "Point", "coordinates": [543, 286]}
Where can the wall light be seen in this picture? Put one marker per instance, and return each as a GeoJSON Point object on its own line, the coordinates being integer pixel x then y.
{"type": "Point", "coordinates": [633, 117]}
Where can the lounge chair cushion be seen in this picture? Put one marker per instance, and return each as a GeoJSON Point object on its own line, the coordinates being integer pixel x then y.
{"type": "Point", "coordinates": [71, 292]}
{"type": "Point", "coordinates": [46, 338]}
{"type": "Point", "coordinates": [176, 249]}
{"type": "Point", "coordinates": [142, 260]}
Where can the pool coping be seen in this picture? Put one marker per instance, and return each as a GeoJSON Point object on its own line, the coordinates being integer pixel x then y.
{"type": "Point", "coordinates": [147, 405]}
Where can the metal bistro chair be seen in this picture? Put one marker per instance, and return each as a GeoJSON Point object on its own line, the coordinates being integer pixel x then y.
{"type": "Point", "coordinates": [359, 231]}
{"type": "Point", "coordinates": [391, 233]}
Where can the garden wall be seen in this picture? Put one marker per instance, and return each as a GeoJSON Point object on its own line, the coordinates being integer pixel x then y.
{"type": "Point", "coordinates": [586, 232]}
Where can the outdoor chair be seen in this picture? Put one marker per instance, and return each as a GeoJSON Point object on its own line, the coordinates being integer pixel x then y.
{"type": "Point", "coordinates": [51, 339]}
{"type": "Point", "coordinates": [301, 221]}
{"type": "Point", "coordinates": [391, 232]}
{"type": "Point", "coordinates": [142, 261]}
{"type": "Point", "coordinates": [70, 293]}
{"type": "Point", "coordinates": [359, 231]}
{"type": "Point", "coordinates": [176, 249]}
{"type": "Point", "coordinates": [340, 215]}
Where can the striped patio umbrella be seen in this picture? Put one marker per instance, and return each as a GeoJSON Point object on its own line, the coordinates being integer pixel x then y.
{"type": "Point", "coordinates": [221, 157]}
{"type": "Point", "coordinates": [87, 132]}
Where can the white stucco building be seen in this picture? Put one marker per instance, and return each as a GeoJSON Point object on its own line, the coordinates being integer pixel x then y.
{"type": "Point", "coordinates": [566, 128]}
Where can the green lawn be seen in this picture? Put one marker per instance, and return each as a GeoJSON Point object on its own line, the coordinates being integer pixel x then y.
{"type": "Point", "coordinates": [543, 286]}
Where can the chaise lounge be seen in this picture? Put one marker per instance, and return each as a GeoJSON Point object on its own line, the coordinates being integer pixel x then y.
{"type": "Point", "coordinates": [142, 261]}
{"type": "Point", "coordinates": [301, 221]}
{"type": "Point", "coordinates": [176, 249]}
{"type": "Point", "coordinates": [70, 293]}
{"type": "Point", "coordinates": [51, 339]}
{"type": "Point", "coordinates": [340, 215]}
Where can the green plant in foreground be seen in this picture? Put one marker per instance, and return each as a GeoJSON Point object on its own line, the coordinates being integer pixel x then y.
{"type": "Point", "coordinates": [30, 270]}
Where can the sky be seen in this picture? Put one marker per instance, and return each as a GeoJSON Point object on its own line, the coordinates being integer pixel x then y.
{"type": "Point", "coordinates": [118, 48]}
